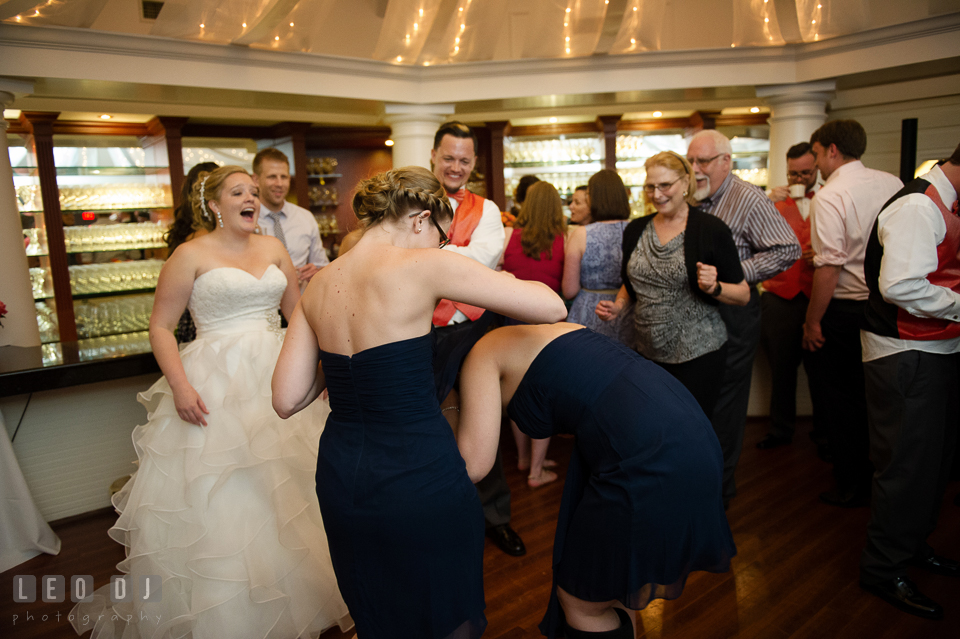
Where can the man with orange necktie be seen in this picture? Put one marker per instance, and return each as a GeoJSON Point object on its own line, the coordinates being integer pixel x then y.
{"type": "Point", "coordinates": [476, 232]}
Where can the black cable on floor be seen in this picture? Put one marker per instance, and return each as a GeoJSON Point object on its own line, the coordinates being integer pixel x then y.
{"type": "Point", "coordinates": [17, 429]}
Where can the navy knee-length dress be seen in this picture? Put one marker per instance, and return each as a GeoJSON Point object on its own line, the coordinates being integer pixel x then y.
{"type": "Point", "coordinates": [642, 503]}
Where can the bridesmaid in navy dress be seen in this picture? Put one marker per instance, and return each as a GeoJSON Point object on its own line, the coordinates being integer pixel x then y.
{"type": "Point", "coordinates": [403, 519]}
{"type": "Point", "coordinates": [641, 506]}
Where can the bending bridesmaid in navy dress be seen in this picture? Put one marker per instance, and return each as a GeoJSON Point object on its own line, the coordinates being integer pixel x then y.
{"type": "Point", "coordinates": [403, 519]}
{"type": "Point", "coordinates": [641, 506]}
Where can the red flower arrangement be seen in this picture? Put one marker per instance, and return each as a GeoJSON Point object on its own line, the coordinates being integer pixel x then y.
{"type": "Point", "coordinates": [3, 312]}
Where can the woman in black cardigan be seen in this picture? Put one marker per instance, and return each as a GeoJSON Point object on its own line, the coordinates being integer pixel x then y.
{"type": "Point", "coordinates": [678, 266]}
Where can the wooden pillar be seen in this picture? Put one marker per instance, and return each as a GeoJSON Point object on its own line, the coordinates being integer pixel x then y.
{"type": "Point", "coordinates": [608, 124]}
{"type": "Point", "coordinates": [495, 179]}
{"type": "Point", "coordinates": [40, 127]}
{"type": "Point", "coordinates": [164, 133]}
{"type": "Point", "coordinates": [297, 132]}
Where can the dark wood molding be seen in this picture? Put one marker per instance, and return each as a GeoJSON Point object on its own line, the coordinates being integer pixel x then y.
{"type": "Point", "coordinates": [40, 126]}
{"type": "Point", "coordinates": [484, 165]}
{"type": "Point", "coordinates": [656, 124]}
{"type": "Point", "coordinates": [742, 119]}
{"type": "Point", "coordinates": [571, 128]}
{"type": "Point", "coordinates": [199, 130]}
{"type": "Point", "coordinates": [608, 125]}
{"type": "Point", "coordinates": [354, 137]}
{"type": "Point", "coordinates": [495, 180]}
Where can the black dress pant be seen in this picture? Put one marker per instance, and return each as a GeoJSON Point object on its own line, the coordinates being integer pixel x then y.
{"type": "Point", "coordinates": [839, 365]}
{"type": "Point", "coordinates": [913, 407]}
{"type": "Point", "coordinates": [781, 339]}
{"type": "Point", "coordinates": [729, 416]}
{"type": "Point", "coordinates": [451, 345]}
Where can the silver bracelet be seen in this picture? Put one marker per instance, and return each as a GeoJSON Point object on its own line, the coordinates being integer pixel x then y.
{"type": "Point", "coordinates": [456, 408]}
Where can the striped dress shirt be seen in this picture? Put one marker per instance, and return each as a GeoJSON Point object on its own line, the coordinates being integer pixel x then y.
{"type": "Point", "coordinates": [766, 243]}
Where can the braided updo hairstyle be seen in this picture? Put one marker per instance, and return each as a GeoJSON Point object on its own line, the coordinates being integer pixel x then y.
{"type": "Point", "coordinates": [396, 193]}
{"type": "Point", "coordinates": [210, 184]}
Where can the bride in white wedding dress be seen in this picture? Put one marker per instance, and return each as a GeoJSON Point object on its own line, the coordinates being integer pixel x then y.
{"type": "Point", "coordinates": [223, 506]}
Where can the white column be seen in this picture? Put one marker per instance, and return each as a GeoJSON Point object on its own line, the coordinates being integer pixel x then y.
{"type": "Point", "coordinates": [796, 111]}
{"type": "Point", "coordinates": [20, 324]}
{"type": "Point", "coordinates": [412, 129]}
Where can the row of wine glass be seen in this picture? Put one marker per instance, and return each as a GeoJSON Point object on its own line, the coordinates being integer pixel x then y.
{"type": "Point", "coordinates": [100, 278]}
{"type": "Point", "coordinates": [105, 197]}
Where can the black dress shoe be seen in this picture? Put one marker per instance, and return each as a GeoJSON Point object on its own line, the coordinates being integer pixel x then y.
{"type": "Point", "coordinates": [845, 499]}
{"type": "Point", "coordinates": [772, 441]}
{"type": "Point", "coordinates": [507, 540]}
{"type": "Point", "coordinates": [938, 565]}
{"type": "Point", "coordinates": [903, 593]}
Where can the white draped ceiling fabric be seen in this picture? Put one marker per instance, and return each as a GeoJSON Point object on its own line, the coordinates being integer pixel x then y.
{"type": "Point", "coordinates": [443, 32]}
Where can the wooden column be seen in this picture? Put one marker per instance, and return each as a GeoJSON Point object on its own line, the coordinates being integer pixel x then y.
{"type": "Point", "coordinates": [297, 132]}
{"type": "Point", "coordinates": [495, 179]}
{"type": "Point", "coordinates": [165, 131]}
{"type": "Point", "coordinates": [40, 127]}
{"type": "Point", "coordinates": [608, 124]}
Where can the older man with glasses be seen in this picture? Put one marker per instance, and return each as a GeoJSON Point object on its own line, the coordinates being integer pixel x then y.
{"type": "Point", "coordinates": [767, 246]}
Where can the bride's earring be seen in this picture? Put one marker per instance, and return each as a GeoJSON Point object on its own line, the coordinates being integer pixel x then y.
{"type": "Point", "coordinates": [419, 226]}
{"type": "Point", "coordinates": [219, 219]}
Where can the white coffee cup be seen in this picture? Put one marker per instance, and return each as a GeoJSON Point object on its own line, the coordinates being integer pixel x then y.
{"type": "Point", "coordinates": [797, 191]}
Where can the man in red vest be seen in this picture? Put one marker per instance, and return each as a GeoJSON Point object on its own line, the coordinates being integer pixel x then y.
{"type": "Point", "coordinates": [783, 304]}
{"type": "Point", "coordinates": [476, 232]}
{"type": "Point", "coordinates": [911, 354]}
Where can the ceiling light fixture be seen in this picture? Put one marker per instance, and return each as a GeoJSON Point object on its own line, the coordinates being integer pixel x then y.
{"type": "Point", "coordinates": [754, 109]}
{"type": "Point", "coordinates": [105, 117]}
{"type": "Point", "coordinates": [657, 114]}
{"type": "Point", "coordinates": [553, 120]}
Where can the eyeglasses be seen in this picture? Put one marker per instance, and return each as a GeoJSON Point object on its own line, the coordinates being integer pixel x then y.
{"type": "Point", "coordinates": [703, 161]}
{"type": "Point", "coordinates": [444, 240]}
{"type": "Point", "coordinates": [649, 189]}
{"type": "Point", "coordinates": [801, 174]}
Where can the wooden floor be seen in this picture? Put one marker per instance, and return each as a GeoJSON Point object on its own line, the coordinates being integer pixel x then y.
{"type": "Point", "coordinates": [795, 574]}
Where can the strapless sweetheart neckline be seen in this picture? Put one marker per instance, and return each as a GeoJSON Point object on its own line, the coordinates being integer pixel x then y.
{"type": "Point", "coordinates": [236, 268]}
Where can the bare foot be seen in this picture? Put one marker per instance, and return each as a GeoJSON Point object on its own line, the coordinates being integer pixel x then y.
{"type": "Point", "coordinates": [545, 477]}
{"type": "Point", "coordinates": [547, 463]}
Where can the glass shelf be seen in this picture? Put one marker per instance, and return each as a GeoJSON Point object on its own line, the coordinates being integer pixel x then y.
{"type": "Point", "coordinates": [325, 175]}
{"type": "Point", "coordinates": [551, 164]}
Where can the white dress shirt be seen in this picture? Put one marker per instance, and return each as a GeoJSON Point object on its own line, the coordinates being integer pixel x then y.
{"type": "Point", "coordinates": [486, 242]}
{"type": "Point", "coordinates": [300, 232]}
{"type": "Point", "coordinates": [910, 230]}
{"type": "Point", "coordinates": [842, 216]}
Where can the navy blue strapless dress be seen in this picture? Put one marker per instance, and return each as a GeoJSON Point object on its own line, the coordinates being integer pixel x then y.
{"type": "Point", "coordinates": [641, 505]}
{"type": "Point", "coordinates": [402, 517]}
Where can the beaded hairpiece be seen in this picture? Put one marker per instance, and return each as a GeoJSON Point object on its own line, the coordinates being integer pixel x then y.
{"type": "Point", "coordinates": [203, 204]}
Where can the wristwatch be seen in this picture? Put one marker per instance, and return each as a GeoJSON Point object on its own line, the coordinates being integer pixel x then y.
{"type": "Point", "coordinates": [716, 291]}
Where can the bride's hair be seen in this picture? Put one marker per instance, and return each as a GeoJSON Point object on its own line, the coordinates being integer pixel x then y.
{"type": "Point", "coordinates": [394, 194]}
{"type": "Point", "coordinates": [207, 188]}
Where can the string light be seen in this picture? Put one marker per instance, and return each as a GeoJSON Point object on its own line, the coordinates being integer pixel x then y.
{"type": "Point", "coordinates": [276, 37]}
{"type": "Point", "coordinates": [633, 40]}
{"type": "Point", "coordinates": [399, 58]}
{"type": "Point", "coordinates": [202, 25]}
{"type": "Point", "coordinates": [421, 13]}
{"type": "Point", "coordinates": [291, 24]}
{"type": "Point", "coordinates": [416, 26]}
{"type": "Point", "coordinates": [766, 19]}
{"type": "Point", "coordinates": [244, 25]}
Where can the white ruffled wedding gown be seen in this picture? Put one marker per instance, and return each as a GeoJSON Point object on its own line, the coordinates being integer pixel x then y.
{"type": "Point", "coordinates": [226, 514]}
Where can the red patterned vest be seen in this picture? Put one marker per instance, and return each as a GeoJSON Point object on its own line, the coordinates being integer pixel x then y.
{"type": "Point", "coordinates": [889, 320]}
{"type": "Point", "coordinates": [799, 277]}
